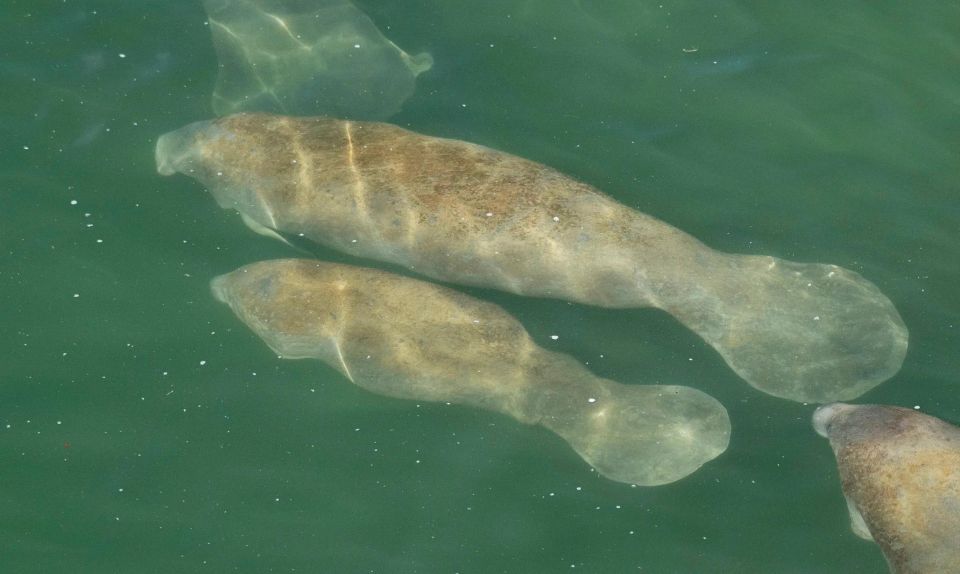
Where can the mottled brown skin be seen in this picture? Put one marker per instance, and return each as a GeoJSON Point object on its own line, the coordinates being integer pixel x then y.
{"type": "Point", "coordinates": [464, 213]}
{"type": "Point", "coordinates": [409, 339]}
{"type": "Point", "coordinates": [901, 470]}
{"type": "Point", "coordinates": [364, 187]}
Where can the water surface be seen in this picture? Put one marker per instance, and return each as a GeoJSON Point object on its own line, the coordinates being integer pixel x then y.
{"type": "Point", "coordinates": [144, 429]}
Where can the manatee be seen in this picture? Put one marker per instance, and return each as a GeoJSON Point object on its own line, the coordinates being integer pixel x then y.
{"type": "Point", "coordinates": [463, 213]}
{"type": "Point", "coordinates": [900, 473]}
{"type": "Point", "coordinates": [307, 57]}
{"type": "Point", "coordinates": [409, 339]}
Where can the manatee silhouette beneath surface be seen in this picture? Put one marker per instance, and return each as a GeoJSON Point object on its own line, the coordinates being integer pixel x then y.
{"type": "Point", "coordinates": [307, 57]}
{"type": "Point", "coordinates": [405, 338]}
{"type": "Point", "coordinates": [900, 473]}
{"type": "Point", "coordinates": [464, 213]}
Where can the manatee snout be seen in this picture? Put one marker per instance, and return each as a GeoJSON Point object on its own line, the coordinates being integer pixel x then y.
{"type": "Point", "coordinates": [219, 286]}
{"type": "Point", "coordinates": [824, 415]}
{"type": "Point", "coordinates": [176, 149]}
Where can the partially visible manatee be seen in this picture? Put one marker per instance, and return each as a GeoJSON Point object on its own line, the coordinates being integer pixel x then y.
{"type": "Point", "coordinates": [307, 57]}
{"type": "Point", "coordinates": [900, 473]}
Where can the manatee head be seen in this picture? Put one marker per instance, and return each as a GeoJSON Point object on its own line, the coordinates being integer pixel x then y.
{"type": "Point", "coordinates": [844, 424]}
{"type": "Point", "coordinates": [296, 317]}
{"type": "Point", "coordinates": [246, 161]}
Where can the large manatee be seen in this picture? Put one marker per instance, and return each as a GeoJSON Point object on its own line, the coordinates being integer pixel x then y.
{"type": "Point", "coordinates": [409, 339]}
{"type": "Point", "coordinates": [900, 473]}
{"type": "Point", "coordinates": [464, 213]}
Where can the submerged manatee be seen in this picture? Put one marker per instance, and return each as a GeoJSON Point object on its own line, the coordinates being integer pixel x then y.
{"type": "Point", "coordinates": [307, 57]}
{"type": "Point", "coordinates": [464, 213]}
{"type": "Point", "coordinates": [900, 473]}
{"type": "Point", "coordinates": [405, 338]}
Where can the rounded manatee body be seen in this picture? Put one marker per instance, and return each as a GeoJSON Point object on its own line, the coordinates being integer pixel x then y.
{"type": "Point", "coordinates": [409, 339]}
{"type": "Point", "coordinates": [464, 213]}
{"type": "Point", "coordinates": [900, 473]}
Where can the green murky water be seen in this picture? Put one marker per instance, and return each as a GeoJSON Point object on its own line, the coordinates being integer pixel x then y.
{"type": "Point", "coordinates": [144, 429]}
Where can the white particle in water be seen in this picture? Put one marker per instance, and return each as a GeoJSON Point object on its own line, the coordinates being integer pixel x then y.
{"type": "Point", "coordinates": [916, 407]}
{"type": "Point", "coordinates": [122, 55]}
{"type": "Point", "coordinates": [75, 295]}
{"type": "Point", "coordinates": [591, 400]}
{"type": "Point", "coordinates": [554, 337]}
{"type": "Point", "coordinates": [203, 363]}
{"type": "Point", "coordinates": [73, 202]}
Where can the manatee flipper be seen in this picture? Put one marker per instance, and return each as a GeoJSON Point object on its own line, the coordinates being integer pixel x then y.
{"type": "Point", "coordinates": [857, 523]}
{"type": "Point", "coordinates": [261, 229]}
